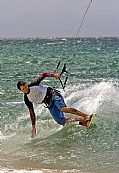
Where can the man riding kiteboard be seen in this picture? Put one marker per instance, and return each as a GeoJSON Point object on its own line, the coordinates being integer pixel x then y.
{"type": "Point", "coordinates": [35, 92]}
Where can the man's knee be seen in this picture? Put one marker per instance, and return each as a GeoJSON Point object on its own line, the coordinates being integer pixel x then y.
{"type": "Point", "coordinates": [64, 109]}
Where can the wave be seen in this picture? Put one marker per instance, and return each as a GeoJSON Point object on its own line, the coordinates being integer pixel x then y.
{"type": "Point", "coordinates": [57, 144]}
{"type": "Point", "coordinates": [101, 97]}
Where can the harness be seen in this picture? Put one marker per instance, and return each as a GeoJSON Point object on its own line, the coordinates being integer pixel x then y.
{"type": "Point", "coordinates": [49, 98]}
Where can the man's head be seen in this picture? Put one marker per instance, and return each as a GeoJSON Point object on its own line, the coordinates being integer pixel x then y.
{"type": "Point", "coordinates": [22, 86]}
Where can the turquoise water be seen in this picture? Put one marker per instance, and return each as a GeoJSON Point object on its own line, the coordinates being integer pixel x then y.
{"type": "Point", "coordinates": [93, 86]}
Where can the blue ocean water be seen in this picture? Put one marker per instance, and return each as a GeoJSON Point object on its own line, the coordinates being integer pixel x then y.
{"type": "Point", "coordinates": [93, 86]}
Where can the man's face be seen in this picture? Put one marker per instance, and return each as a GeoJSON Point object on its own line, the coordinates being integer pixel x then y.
{"type": "Point", "coordinates": [24, 88]}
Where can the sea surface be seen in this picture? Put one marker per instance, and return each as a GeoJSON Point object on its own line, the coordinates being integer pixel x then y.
{"type": "Point", "coordinates": [92, 86]}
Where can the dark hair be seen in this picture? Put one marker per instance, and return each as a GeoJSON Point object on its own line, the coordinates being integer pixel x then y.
{"type": "Point", "coordinates": [19, 83]}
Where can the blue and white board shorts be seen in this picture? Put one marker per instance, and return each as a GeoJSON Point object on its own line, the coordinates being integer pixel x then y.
{"type": "Point", "coordinates": [55, 109]}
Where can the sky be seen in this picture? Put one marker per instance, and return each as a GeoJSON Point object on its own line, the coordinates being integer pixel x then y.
{"type": "Point", "coordinates": [58, 18]}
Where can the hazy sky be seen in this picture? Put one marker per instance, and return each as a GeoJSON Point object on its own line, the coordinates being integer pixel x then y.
{"type": "Point", "coordinates": [58, 18]}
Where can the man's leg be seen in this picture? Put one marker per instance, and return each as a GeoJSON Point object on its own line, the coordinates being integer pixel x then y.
{"type": "Point", "coordinates": [72, 120]}
{"type": "Point", "coordinates": [82, 121]}
{"type": "Point", "coordinates": [74, 111]}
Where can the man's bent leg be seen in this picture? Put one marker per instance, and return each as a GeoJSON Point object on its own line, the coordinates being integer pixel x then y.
{"type": "Point", "coordinates": [74, 111]}
{"type": "Point", "coordinates": [73, 120]}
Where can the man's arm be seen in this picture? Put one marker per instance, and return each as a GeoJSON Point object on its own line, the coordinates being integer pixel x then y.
{"type": "Point", "coordinates": [42, 76]}
{"type": "Point", "coordinates": [32, 115]}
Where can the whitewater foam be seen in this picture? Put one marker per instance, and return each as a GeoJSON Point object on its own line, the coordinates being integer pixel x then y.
{"type": "Point", "coordinates": [92, 99]}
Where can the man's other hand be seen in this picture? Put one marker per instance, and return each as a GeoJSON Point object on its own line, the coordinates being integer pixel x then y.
{"type": "Point", "coordinates": [33, 132]}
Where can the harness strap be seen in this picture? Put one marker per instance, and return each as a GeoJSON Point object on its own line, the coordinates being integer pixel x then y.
{"type": "Point", "coordinates": [49, 98]}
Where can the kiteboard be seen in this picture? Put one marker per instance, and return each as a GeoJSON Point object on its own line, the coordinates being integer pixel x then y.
{"type": "Point", "coordinates": [91, 119]}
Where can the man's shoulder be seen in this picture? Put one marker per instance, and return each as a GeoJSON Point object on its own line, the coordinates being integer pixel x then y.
{"type": "Point", "coordinates": [26, 98]}
{"type": "Point", "coordinates": [25, 95]}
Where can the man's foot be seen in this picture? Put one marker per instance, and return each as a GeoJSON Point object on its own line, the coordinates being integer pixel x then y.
{"type": "Point", "coordinates": [87, 121]}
